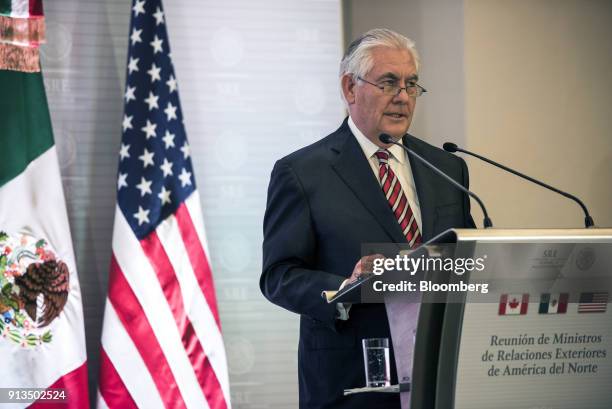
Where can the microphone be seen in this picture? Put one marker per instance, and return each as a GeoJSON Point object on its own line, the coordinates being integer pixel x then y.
{"type": "Point", "coordinates": [588, 220]}
{"type": "Point", "coordinates": [387, 139]}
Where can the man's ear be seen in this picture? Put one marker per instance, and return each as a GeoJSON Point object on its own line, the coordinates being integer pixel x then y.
{"type": "Point", "coordinates": [348, 88]}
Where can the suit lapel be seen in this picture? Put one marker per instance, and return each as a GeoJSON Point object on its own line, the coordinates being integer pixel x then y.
{"type": "Point", "coordinates": [353, 168]}
{"type": "Point", "coordinates": [422, 180]}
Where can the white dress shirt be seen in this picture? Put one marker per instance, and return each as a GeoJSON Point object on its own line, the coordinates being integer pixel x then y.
{"type": "Point", "coordinates": [400, 165]}
{"type": "Point", "coordinates": [398, 162]}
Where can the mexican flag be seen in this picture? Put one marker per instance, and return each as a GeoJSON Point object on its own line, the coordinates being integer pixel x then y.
{"type": "Point", "coordinates": [555, 303]}
{"type": "Point", "coordinates": [42, 338]}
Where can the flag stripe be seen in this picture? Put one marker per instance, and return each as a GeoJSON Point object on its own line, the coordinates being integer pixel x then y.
{"type": "Point", "coordinates": [130, 312]}
{"type": "Point", "coordinates": [26, 133]}
{"type": "Point", "coordinates": [128, 363]}
{"type": "Point", "coordinates": [205, 373]}
{"type": "Point", "coordinates": [195, 211]}
{"type": "Point", "coordinates": [544, 301]}
{"type": "Point", "coordinates": [100, 403]}
{"type": "Point", "coordinates": [141, 277]}
{"type": "Point", "coordinates": [75, 384]}
{"type": "Point", "coordinates": [156, 254]}
{"type": "Point", "coordinates": [198, 259]}
{"type": "Point", "coordinates": [36, 8]}
{"type": "Point", "coordinates": [524, 304]}
{"type": "Point", "coordinates": [5, 7]}
{"type": "Point", "coordinates": [562, 307]}
{"type": "Point", "coordinates": [20, 8]}
{"type": "Point", "coordinates": [599, 308]}
{"type": "Point", "coordinates": [112, 388]}
{"type": "Point", "coordinates": [166, 275]}
{"type": "Point", "coordinates": [196, 306]}
{"type": "Point", "coordinates": [502, 304]}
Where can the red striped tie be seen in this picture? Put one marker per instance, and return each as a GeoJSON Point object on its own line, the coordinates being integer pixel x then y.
{"type": "Point", "coordinates": [397, 199]}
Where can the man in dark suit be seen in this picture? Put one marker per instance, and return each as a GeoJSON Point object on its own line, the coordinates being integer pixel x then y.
{"type": "Point", "coordinates": [349, 188]}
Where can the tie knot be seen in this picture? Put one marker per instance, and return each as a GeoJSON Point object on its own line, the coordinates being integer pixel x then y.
{"type": "Point", "coordinates": [383, 156]}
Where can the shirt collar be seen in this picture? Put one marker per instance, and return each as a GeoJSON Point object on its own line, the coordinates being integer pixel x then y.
{"type": "Point", "coordinates": [370, 148]}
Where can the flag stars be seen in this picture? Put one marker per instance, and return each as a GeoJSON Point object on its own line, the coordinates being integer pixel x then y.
{"type": "Point", "coordinates": [168, 139]}
{"type": "Point", "coordinates": [127, 122]}
{"type": "Point", "coordinates": [164, 196]}
{"type": "Point", "coordinates": [166, 167]}
{"type": "Point", "coordinates": [124, 152]}
{"type": "Point", "coordinates": [122, 181]}
{"type": "Point", "coordinates": [135, 37]}
{"type": "Point", "coordinates": [185, 178]}
{"type": "Point", "coordinates": [133, 65]}
{"type": "Point", "coordinates": [151, 100]}
{"type": "Point", "coordinates": [159, 17]}
{"type": "Point", "coordinates": [142, 215]}
{"type": "Point", "coordinates": [171, 84]}
{"type": "Point", "coordinates": [130, 94]}
{"type": "Point", "coordinates": [170, 111]}
{"type": "Point", "coordinates": [149, 129]}
{"type": "Point", "coordinates": [157, 45]}
{"type": "Point", "coordinates": [144, 186]}
{"type": "Point", "coordinates": [154, 73]}
{"type": "Point", "coordinates": [155, 185]}
{"type": "Point", "coordinates": [147, 158]}
{"type": "Point", "coordinates": [186, 150]}
{"type": "Point", "coordinates": [139, 7]}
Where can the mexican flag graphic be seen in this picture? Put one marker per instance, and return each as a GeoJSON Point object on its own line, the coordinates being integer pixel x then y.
{"type": "Point", "coordinates": [42, 337]}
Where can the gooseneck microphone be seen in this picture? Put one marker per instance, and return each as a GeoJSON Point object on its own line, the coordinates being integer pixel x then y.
{"type": "Point", "coordinates": [588, 220]}
{"type": "Point", "coordinates": [387, 139]}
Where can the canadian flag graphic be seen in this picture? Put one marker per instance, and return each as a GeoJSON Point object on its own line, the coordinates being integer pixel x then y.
{"type": "Point", "coordinates": [513, 304]}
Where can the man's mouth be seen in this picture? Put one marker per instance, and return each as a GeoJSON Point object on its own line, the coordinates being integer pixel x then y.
{"type": "Point", "coordinates": [395, 115]}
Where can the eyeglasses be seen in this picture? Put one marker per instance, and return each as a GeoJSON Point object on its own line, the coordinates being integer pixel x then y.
{"type": "Point", "coordinates": [390, 88]}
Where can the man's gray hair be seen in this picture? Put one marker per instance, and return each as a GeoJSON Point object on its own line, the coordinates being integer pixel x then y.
{"type": "Point", "coordinates": [358, 58]}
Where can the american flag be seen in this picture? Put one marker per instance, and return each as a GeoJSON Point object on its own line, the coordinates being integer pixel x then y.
{"type": "Point", "coordinates": [161, 339]}
{"type": "Point", "coordinates": [593, 302]}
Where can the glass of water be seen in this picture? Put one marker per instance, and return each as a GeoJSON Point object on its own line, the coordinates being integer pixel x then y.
{"type": "Point", "coordinates": [376, 362]}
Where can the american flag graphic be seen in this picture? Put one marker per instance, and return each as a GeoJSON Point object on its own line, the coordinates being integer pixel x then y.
{"type": "Point", "coordinates": [593, 302]}
{"type": "Point", "coordinates": [161, 341]}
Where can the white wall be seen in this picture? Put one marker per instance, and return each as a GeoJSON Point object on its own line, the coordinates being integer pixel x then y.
{"type": "Point", "coordinates": [539, 98]}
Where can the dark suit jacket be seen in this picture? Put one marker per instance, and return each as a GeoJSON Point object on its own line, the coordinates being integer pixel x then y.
{"type": "Point", "coordinates": [324, 201]}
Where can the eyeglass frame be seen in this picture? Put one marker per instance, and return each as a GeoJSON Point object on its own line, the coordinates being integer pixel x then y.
{"type": "Point", "coordinates": [419, 89]}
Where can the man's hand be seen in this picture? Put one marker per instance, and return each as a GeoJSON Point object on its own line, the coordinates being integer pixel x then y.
{"type": "Point", "coordinates": [364, 266]}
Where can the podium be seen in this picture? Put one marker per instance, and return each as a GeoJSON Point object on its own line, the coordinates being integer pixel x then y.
{"type": "Point", "coordinates": [541, 338]}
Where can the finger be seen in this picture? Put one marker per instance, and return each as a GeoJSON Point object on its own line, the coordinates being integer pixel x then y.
{"type": "Point", "coordinates": [367, 265]}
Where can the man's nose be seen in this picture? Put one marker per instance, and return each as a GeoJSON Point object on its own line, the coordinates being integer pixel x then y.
{"type": "Point", "coordinates": [402, 96]}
